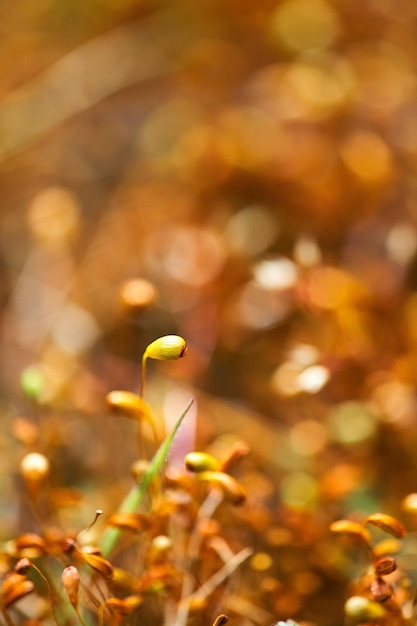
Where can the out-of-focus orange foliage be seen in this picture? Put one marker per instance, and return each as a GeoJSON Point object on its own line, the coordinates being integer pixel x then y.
{"type": "Point", "coordinates": [243, 174]}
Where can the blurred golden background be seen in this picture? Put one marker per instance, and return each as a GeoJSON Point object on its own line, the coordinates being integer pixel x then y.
{"type": "Point", "coordinates": [240, 173]}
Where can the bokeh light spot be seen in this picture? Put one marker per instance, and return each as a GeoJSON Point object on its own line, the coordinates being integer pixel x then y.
{"type": "Point", "coordinates": [305, 24]}
{"type": "Point", "coordinates": [351, 423]}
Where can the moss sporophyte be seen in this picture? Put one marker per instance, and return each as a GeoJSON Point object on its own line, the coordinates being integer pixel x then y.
{"type": "Point", "coordinates": [163, 520]}
{"type": "Point", "coordinates": [167, 554]}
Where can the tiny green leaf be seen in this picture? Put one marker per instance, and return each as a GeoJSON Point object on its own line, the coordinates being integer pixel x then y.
{"type": "Point", "coordinates": [136, 494]}
{"type": "Point", "coordinates": [32, 382]}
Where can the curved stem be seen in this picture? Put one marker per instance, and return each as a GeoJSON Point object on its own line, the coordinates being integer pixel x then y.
{"type": "Point", "coordinates": [50, 594]}
{"type": "Point", "coordinates": [206, 511]}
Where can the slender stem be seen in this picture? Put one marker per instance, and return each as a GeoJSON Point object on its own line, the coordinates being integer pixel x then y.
{"type": "Point", "coordinates": [143, 375]}
{"type": "Point", "coordinates": [77, 610]}
{"type": "Point", "coordinates": [7, 618]}
{"type": "Point", "coordinates": [205, 512]}
{"type": "Point", "coordinates": [50, 594]}
{"type": "Point", "coordinates": [210, 585]}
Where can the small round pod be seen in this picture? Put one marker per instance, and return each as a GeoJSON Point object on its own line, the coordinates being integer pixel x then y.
{"type": "Point", "coordinates": [166, 348]}
{"type": "Point", "coordinates": [34, 468]}
{"type": "Point", "coordinates": [71, 581]}
{"type": "Point", "coordinates": [385, 565]}
{"type": "Point", "coordinates": [201, 462]}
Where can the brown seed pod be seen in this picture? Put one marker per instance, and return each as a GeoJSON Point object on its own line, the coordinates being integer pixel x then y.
{"type": "Point", "coordinates": [71, 580]}
{"type": "Point", "coordinates": [384, 566]}
{"type": "Point", "coordinates": [387, 523]}
{"type": "Point", "coordinates": [22, 566]}
{"type": "Point", "coordinates": [69, 546]}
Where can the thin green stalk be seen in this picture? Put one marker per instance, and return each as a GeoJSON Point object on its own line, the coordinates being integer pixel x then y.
{"type": "Point", "coordinates": [133, 499]}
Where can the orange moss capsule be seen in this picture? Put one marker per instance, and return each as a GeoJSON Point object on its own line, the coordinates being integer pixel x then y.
{"type": "Point", "coordinates": [385, 566]}
{"type": "Point", "coordinates": [232, 490]}
{"type": "Point", "coordinates": [101, 565]}
{"type": "Point", "coordinates": [34, 468]}
{"type": "Point", "coordinates": [128, 404]}
{"type": "Point", "coordinates": [352, 529]}
{"type": "Point", "coordinates": [387, 523]}
{"type": "Point", "coordinates": [22, 566]}
{"type": "Point", "coordinates": [30, 542]}
{"type": "Point", "coordinates": [14, 587]}
{"type": "Point", "coordinates": [71, 580]}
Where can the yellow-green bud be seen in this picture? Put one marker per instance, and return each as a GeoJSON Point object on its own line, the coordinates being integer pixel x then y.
{"type": "Point", "coordinates": [201, 462]}
{"type": "Point", "coordinates": [361, 609]}
{"type": "Point", "coordinates": [167, 348]}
